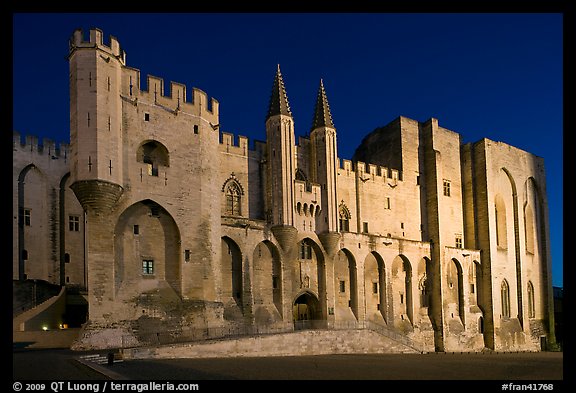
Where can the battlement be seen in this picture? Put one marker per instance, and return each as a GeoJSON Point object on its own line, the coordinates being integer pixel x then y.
{"type": "Point", "coordinates": [48, 146]}
{"type": "Point", "coordinates": [175, 100]}
{"type": "Point", "coordinates": [374, 172]}
{"type": "Point", "coordinates": [227, 143]}
{"type": "Point", "coordinates": [96, 41]}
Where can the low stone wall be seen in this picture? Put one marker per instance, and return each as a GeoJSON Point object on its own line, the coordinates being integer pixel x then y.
{"type": "Point", "coordinates": [48, 315]}
{"type": "Point", "coordinates": [45, 339]}
{"type": "Point", "coordinates": [309, 342]}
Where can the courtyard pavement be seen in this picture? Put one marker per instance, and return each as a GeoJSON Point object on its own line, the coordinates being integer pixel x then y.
{"type": "Point", "coordinates": [64, 365]}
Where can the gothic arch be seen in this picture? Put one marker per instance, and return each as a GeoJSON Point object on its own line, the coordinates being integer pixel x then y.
{"type": "Point", "coordinates": [540, 246]}
{"type": "Point", "coordinates": [146, 247]}
{"type": "Point", "coordinates": [267, 282]}
{"type": "Point", "coordinates": [231, 270]}
{"type": "Point", "coordinates": [33, 209]}
{"type": "Point", "coordinates": [345, 283]}
{"type": "Point", "coordinates": [375, 287]}
{"type": "Point", "coordinates": [402, 290]}
{"type": "Point", "coordinates": [455, 290]}
{"type": "Point", "coordinates": [516, 233]}
{"type": "Point", "coordinates": [312, 272]}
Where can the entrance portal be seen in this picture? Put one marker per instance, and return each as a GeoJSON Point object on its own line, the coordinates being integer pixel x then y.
{"type": "Point", "coordinates": [306, 312]}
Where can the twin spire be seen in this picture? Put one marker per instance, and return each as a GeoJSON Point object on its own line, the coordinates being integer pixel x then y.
{"type": "Point", "coordinates": [278, 99]}
{"type": "Point", "coordinates": [279, 103]}
{"type": "Point", "coordinates": [322, 115]}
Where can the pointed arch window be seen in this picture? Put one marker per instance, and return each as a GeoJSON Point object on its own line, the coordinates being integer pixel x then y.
{"type": "Point", "coordinates": [233, 199]}
{"type": "Point", "coordinates": [531, 308]}
{"type": "Point", "coordinates": [505, 295]}
{"type": "Point", "coordinates": [344, 218]}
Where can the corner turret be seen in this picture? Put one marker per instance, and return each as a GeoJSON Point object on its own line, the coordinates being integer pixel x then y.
{"type": "Point", "coordinates": [96, 120]}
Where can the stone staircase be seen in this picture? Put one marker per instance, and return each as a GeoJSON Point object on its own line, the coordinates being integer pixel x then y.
{"type": "Point", "coordinates": [295, 343]}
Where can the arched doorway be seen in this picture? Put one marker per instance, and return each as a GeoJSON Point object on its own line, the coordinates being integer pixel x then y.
{"type": "Point", "coordinates": [306, 311]}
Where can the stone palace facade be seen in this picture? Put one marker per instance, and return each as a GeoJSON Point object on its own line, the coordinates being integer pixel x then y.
{"type": "Point", "coordinates": [169, 224]}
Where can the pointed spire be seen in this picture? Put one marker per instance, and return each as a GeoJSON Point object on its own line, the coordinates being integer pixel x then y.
{"type": "Point", "coordinates": [278, 99]}
{"type": "Point", "coordinates": [322, 115]}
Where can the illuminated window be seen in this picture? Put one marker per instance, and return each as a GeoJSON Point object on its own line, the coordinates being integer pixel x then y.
{"type": "Point", "coordinates": [147, 267]}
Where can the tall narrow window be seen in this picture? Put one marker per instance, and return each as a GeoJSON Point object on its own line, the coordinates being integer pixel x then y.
{"type": "Point", "coordinates": [365, 227]}
{"type": "Point", "coordinates": [505, 295]}
{"type": "Point", "coordinates": [458, 240]}
{"type": "Point", "coordinates": [446, 187]}
{"type": "Point", "coordinates": [342, 286]}
{"type": "Point", "coordinates": [233, 199]}
{"type": "Point", "coordinates": [74, 223]}
{"type": "Point", "coordinates": [26, 216]}
{"type": "Point", "coordinates": [531, 308]}
{"type": "Point", "coordinates": [305, 250]}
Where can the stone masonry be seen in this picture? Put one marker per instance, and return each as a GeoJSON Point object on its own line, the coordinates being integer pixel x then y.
{"type": "Point", "coordinates": [170, 224]}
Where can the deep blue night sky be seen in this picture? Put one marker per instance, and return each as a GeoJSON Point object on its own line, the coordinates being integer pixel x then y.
{"type": "Point", "coordinates": [497, 76]}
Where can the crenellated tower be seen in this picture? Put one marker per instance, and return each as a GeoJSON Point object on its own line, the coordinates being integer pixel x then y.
{"type": "Point", "coordinates": [281, 162]}
{"type": "Point", "coordinates": [96, 120]}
